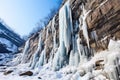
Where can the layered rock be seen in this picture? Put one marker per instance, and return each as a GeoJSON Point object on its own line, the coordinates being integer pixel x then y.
{"type": "Point", "coordinates": [82, 29]}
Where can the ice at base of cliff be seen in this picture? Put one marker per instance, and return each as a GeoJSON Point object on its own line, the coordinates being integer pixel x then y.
{"type": "Point", "coordinates": [69, 72]}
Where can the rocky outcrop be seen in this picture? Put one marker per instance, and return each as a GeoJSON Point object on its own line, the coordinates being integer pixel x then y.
{"type": "Point", "coordinates": [103, 22]}
{"type": "Point", "coordinates": [75, 35]}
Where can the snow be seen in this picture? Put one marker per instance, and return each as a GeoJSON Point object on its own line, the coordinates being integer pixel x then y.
{"type": "Point", "coordinates": [113, 45]}
{"type": "Point", "coordinates": [84, 71]}
{"type": "Point", "coordinates": [10, 46]}
{"type": "Point", "coordinates": [75, 66]}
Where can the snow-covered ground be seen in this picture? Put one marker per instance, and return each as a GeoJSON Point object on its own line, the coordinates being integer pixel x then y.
{"type": "Point", "coordinates": [85, 71]}
{"type": "Point", "coordinates": [5, 57]}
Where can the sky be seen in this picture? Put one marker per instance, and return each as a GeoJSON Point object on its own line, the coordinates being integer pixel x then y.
{"type": "Point", "coordinates": [23, 15]}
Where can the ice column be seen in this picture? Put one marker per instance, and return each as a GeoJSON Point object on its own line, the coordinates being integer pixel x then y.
{"type": "Point", "coordinates": [65, 33]}
{"type": "Point", "coordinates": [65, 25]}
{"type": "Point", "coordinates": [25, 51]}
{"type": "Point", "coordinates": [83, 24]}
{"type": "Point", "coordinates": [37, 53]}
{"type": "Point", "coordinates": [54, 33]}
{"type": "Point", "coordinates": [41, 59]}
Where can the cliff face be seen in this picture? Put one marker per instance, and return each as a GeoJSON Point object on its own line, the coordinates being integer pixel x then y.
{"type": "Point", "coordinates": [76, 36]}
{"type": "Point", "coordinates": [103, 23]}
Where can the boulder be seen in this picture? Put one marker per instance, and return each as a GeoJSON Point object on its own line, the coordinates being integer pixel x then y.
{"type": "Point", "coordinates": [27, 73]}
{"type": "Point", "coordinates": [8, 72]}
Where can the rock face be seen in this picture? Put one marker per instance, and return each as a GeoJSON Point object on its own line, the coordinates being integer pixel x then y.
{"type": "Point", "coordinates": [103, 23]}
{"type": "Point", "coordinates": [80, 30]}
{"type": "Point", "coordinates": [9, 40]}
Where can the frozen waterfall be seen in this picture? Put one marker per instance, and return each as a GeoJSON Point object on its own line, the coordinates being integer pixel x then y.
{"type": "Point", "coordinates": [25, 51]}
{"type": "Point", "coordinates": [65, 33]}
{"type": "Point", "coordinates": [65, 25]}
{"type": "Point", "coordinates": [37, 53]}
{"type": "Point", "coordinates": [83, 24]}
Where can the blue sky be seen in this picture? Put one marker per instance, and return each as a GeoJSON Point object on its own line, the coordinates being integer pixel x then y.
{"type": "Point", "coordinates": [22, 15]}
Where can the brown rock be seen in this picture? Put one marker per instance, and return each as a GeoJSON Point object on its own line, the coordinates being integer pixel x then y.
{"type": "Point", "coordinates": [39, 78]}
{"type": "Point", "coordinates": [99, 65]}
{"type": "Point", "coordinates": [28, 73]}
{"type": "Point", "coordinates": [8, 72]}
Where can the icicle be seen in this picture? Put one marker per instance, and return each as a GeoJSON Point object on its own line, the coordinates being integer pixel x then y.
{"type": "Point", "coordinates": [45, 59]}
{"type": "Point", "coordinates": [47, 33]}
{"type": "Point", "coordinates": [53, 25]}
{"type": "Point", "coordinates": [54, 40]}
{"type": "Point", "coordinates": [77, 59]}
{"type": "Point", "coordinates": [83, 24]}
{"type": "Point", "coordinates": [76, 26]}
{"type": "Point", "coordinates": [41, 59]}
{"type": "Point", "coordinates": [71, 60]}
{"type": "Point", "coordinates": [54, 33]}
{"type": "Point", "coordinates": [65, 22]}
{"type": "Point", "coordinates": [56, 61]}
{"type": "Point", "coordinates": [60, 58]}
{"type": "Point", "coordinates": [82, 50]}
{"type": "Point", "coordinates": [94, 35]}
{"type": "Point", "coordinates": [25, 51]}
{"type": "Point", "coordinates": [112, 60]}
{"type": "Point", "coordinates": [37, 53]}
{"type": "Point", "coordinates": [62, 55]}
{"type": "Point", "coordinates": [65, 33]}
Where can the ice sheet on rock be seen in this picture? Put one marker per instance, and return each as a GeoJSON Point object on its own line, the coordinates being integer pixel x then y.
{"type": "Point", "coordinates": [25, 51]}
{"type": "Point", "coordinates": [83, 24]}
{"type": "Point", "coordinates": [94, 35]}
{"type": "Point", "coordinates": [72, 58]}
{"type": "Point", "coordinates": [65, 33]}
{"type": "Point", "coordinates": [41, 59]}
{"type": "Point", "coordinates": [65, 25]}
{"type": "Point", "coordinates": [55, 65]}
{"type": "Point", "coordinates": [37, 53]}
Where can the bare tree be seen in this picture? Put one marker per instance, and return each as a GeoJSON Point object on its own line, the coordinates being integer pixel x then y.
{"type": "Point", "coordinates": [44, 22]}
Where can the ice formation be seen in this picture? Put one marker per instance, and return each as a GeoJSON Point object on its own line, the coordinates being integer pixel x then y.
{"type": "Point", "coordinates": [83, 24]}
{"type": "Point", "coordinates": [65, 25]}
{"type": "Point", "coordinates": [25, 51]}
{"type": "Point", "coordinates": [66, 31]}
{"type": "Point", "coordinates": [41, 59]}
{"type": "Point", "coordinates": [37, 53]}
{"type": "Point", "coordinates": [54, 33]}
{"type": "Point", "coordinates": [94, 35]}
{"type": "Point", "coordinates": [73, 58]}
{"type": "Point", "coordinates": [112, 66]}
